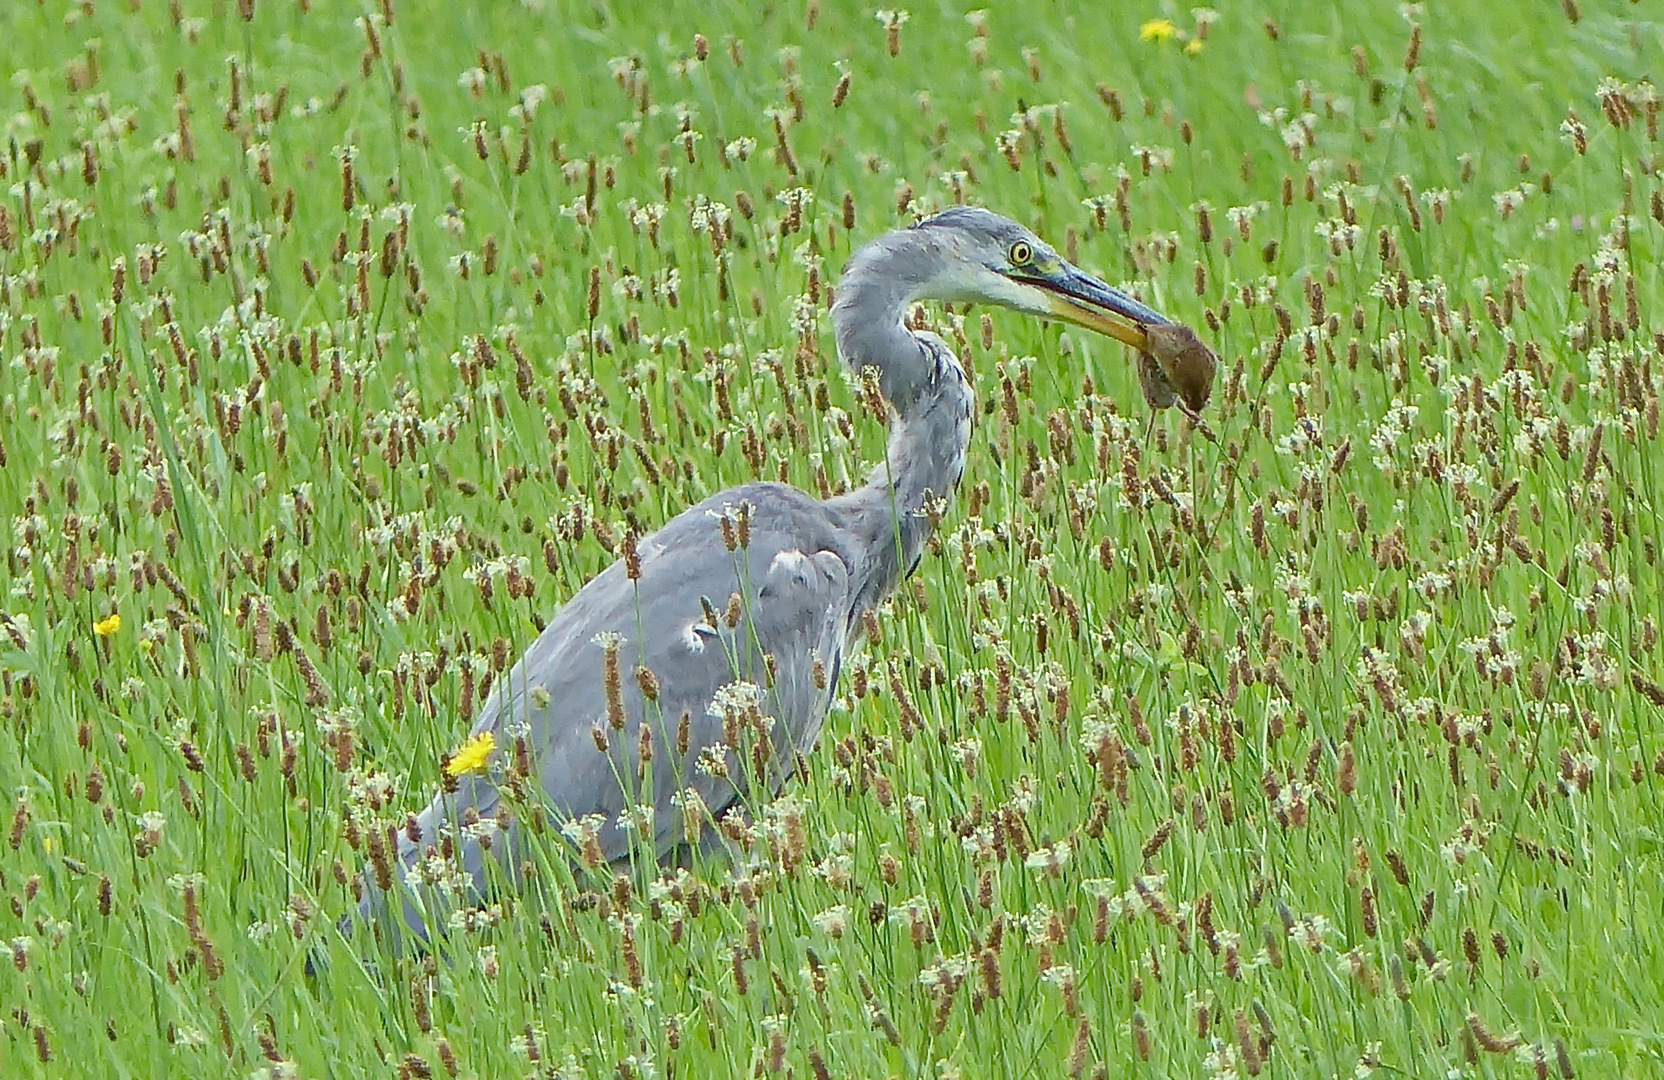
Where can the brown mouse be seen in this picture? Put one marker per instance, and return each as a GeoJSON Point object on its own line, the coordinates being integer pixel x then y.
{"type": "Point", "coordinates": [1177, 367]}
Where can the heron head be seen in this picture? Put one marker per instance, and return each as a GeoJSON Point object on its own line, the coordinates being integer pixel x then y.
{"type": "Point", "coordinates": [994, 260]}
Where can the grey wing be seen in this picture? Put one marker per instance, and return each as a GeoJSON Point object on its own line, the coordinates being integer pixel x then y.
{"type": "Point", "coordinates": [734, 696]}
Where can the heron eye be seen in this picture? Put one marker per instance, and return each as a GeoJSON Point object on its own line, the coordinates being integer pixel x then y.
{"type": "Point", "coordinates": [1021, 253]}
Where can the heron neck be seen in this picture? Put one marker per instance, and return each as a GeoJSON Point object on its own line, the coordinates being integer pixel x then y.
{"type": "Point", "coordinates": [882, 280]}
{"type": "Point", "coordinates": [894, 513]}
{"type": "Point", "coordinates": [929, 396]}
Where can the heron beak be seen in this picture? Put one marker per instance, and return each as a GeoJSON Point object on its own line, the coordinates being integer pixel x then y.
{"type": "Point", "coordinates": [1079, 298]}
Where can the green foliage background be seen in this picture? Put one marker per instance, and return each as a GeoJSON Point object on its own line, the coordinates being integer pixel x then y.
{"type": "Point", "coordinates": [1326, 748]}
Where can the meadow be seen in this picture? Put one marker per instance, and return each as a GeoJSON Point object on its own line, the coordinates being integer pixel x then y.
{"type": "Point", "coordinates": [341, 342]}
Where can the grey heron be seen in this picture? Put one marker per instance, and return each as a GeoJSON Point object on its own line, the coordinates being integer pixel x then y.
{"type": "Point", "coordinates": [694, 675]}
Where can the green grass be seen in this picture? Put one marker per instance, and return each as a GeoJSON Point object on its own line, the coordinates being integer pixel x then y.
{"type": "Point", "coordinates": [242, 449]}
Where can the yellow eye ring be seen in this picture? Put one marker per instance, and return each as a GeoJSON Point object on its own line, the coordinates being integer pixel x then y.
{"type": "Point", "coordinates": [1021, 253]}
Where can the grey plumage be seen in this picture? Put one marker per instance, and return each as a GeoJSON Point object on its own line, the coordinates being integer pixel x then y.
{"type": "Point", "coordinates": [751, 694]}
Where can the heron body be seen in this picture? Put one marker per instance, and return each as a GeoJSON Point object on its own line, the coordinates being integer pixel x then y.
{"type": "Point", "coordinates": [742, 629]}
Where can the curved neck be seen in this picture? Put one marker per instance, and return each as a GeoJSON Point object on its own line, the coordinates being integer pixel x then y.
{"type": "Point", "coordinates": [882, 279]}
{"type": "Point", "coordinates": [893, 514]}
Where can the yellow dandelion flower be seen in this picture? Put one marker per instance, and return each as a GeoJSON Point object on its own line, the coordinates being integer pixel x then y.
{"type": "Point", "coordinates": [106, 627]}
{"type": "Point", "coordinates": [1157, 30]}
{"type": "Point", "coordinates": [1193, 48]}
{"type": "Point", "coordinates": [472, 755]}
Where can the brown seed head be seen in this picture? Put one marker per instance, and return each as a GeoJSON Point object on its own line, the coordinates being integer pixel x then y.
{"type": "Point", "coordinates": [614, 684]}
